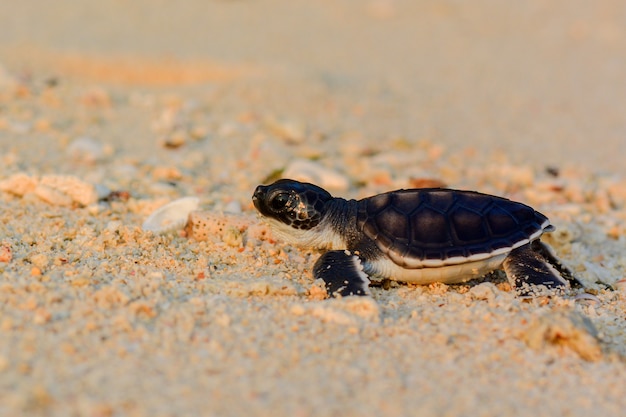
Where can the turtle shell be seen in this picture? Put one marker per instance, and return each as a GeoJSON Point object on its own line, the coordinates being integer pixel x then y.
{"type": "Point", "coordinates": [435, 227]}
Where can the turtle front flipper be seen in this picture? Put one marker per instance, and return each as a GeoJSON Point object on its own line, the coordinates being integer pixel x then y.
{"type": "Point", "coordinates": [342, 273]}
{"type": "Point", "coordinates": [531, 274]}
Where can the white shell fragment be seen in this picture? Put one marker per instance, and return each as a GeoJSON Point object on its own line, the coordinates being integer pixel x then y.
{"type": "Point", "coordinates": [309, 171]}
{"type": "Point", "coordinates": [586, 298]}
{"type": "Point", "coordinates": [172, 216]}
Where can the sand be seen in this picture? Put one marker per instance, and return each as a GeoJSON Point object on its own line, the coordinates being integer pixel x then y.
{"type": "Point", "coordinates": [110, 111]}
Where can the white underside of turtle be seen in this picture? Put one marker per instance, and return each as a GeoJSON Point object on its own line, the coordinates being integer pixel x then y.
{"type": "Point", "coordinates": [449, 274]}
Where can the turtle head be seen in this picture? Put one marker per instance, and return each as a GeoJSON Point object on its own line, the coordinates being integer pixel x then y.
{"type": "Point", "coordinates": [299, 205]}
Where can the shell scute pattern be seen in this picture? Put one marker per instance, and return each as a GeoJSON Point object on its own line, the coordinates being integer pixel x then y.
{"type": "Point", "coordinates": [436, 224]}
{"type": "Point", "coordinates": [405, 202]}
{"type": "Point", "coordinates": [394, 223]}
{"type": "Point", "coordinates": [468, 225]}
{"type": "Point", "coordinates": [439, 200]}
{"type": "Point", "coordinates": [430, 228]}
{"type": "Point", "coordinates": [377, 203]}
{"type": "Point", "coordinates": [500, 221]}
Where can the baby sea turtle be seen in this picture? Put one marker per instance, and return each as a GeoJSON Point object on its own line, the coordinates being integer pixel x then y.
{"type": "Point", "coordinates": [422, 235]}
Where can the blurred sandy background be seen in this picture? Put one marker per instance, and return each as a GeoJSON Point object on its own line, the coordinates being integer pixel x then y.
{"type": "Point", "coordinates": [546, 78]}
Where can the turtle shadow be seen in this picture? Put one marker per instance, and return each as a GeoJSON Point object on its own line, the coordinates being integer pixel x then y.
{"type": "Point", "coordinates": [497, 277]}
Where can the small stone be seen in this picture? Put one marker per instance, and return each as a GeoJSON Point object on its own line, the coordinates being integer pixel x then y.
{"type": "Point", "coordinates": [6, 253]}
{"type": "Point", "coordinates": [174, 140]}
{"type": "Point", "coordinates": [198, 132]}
{"type": "Point", "coordinates": [586, 299]}
{"type": "Point", "coordinates": [172, 216]}
{"type": "Point", "coordinates": [88, 150]}
{"type": "Point", "coordinates": [41, 316]}
{"type": "Point", "coordinates": [40, 260]}
{"type": "Point", "coordinates": [166, 173]}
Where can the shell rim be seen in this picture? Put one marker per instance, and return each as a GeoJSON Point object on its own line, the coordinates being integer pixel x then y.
{"type": "Point", "coordinates": [414, 263]}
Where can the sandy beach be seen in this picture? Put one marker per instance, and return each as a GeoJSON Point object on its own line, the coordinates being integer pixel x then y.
{"type": "Point", "coordinates": [110, 111]}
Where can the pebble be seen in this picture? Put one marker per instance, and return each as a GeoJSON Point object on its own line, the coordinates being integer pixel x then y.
{"type": "Point", "coordinates": [174, 140]}
{"type": "Point", "coordinates": [172, 216]}
{"type": "Point", "coordinates": [586, 298]}
{"type": "Point", "coordinates": [309, 171]}
{"type": "Point", "coordinates": [40, 260]}
{"type": "Point", "coordinates": [166, 173]}
{"type": "Point", "coordinates": [6, 252]}
{"type": "Point", "coordinates": [88, 150]}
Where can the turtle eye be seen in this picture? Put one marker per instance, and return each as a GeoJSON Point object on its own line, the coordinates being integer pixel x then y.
{"type": "Point", "coordinates": [279, 201]}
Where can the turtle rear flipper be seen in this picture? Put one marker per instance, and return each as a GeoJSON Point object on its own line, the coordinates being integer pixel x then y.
{"type": "Point", "coordinates": [548, 254]}
{"type": "Point", "coordinates": [531, 274]}
{"type": "Point", "coordinates": [342, 273]}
